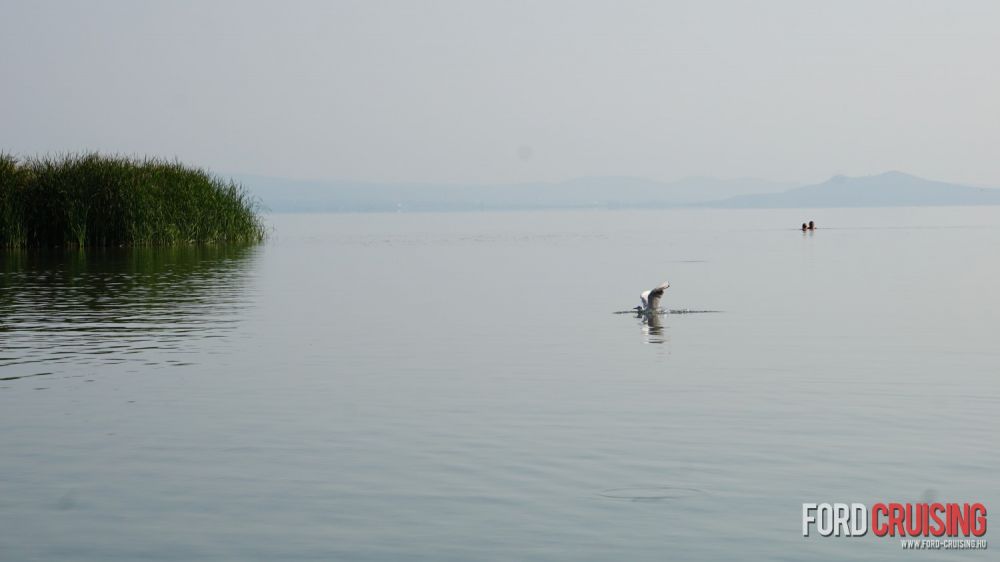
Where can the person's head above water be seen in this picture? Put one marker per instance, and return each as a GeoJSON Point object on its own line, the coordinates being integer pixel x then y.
{"type": "Point", "coordinates": [804, 226]}
{"type": "Point", "coordinates": [812, 225]}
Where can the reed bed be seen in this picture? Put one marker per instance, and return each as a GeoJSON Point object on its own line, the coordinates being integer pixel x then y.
{"type": "Point", "coordinates": [99, 200]}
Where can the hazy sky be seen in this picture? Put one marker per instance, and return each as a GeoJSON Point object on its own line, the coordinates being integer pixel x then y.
{"type": "Point", "coordinates": [486, 92]}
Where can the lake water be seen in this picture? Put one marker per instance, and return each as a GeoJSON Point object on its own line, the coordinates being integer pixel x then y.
{"type": "Point", "coordinates": [456, 387]}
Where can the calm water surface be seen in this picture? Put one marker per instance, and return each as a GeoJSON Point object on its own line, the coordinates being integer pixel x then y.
{"type": "Point", "coordinates": [457, 387]}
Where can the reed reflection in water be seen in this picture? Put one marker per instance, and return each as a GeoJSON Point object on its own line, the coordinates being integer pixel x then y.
{"type": "Point", "coordinates": [150, 307]}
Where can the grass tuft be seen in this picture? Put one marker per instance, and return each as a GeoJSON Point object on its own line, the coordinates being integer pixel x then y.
{"type": "Point", "coordinates": [98, 200]}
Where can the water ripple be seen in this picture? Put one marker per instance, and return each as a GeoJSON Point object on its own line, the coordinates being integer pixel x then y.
{"type": "Point", "coordinates": [112, 307]}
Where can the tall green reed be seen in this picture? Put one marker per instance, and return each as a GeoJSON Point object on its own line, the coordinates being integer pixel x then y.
{"type": "Point", "coordinates": [99, 200]}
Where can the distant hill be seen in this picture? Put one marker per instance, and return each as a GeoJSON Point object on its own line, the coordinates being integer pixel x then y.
{"type": "Point", "coordinates": [891, 189]}
{"type": "Point", "coordinates": [284, 195]}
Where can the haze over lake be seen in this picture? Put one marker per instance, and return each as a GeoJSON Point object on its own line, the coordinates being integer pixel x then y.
{"type": "Point", "coordinates": [456, 386]}
{"type": "Point", "coordinates": [431, 353]}
{"type": "Point", "coordinates": [889, 189]}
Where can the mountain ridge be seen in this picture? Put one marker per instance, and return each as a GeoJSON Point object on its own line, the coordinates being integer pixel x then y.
{"type": "Point", "coordinates": [888, 189]}
{"type": "Point", "coordinates": [612, 192]}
